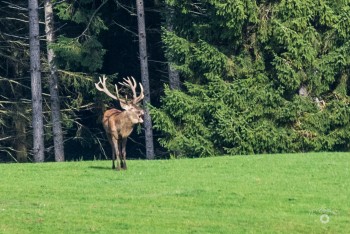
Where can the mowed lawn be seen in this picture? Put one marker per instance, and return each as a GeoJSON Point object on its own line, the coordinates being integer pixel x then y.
{"type": "Point", "coordinates": [294, 193]}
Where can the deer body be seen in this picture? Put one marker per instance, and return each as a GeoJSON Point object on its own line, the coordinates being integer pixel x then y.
{"type": "Point", "coordinates": [119, 124]}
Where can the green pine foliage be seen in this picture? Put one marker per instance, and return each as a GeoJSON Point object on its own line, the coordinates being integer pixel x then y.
{"type": "Point", "coordinates": [80, 49]}
{"type": "Point", "coordinates": [76, 55]}
{"type": "Point", "coordinates": [244, 64]}
{"type": "Point", "coordinates": [79, 54]}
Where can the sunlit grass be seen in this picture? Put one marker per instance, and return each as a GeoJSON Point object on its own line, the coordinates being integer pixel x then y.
{"type": "Point", "coordinates": [254, 194]}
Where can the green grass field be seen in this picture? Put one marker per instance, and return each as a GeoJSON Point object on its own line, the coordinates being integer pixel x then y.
{"type": "Point", "coordinates": [295, 193]}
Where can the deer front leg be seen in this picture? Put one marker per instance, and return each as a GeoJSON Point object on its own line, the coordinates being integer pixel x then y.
{"type": "Point", "coordinates": [124, 152]}
{"type": "Point", "coordinates": [116, 149]}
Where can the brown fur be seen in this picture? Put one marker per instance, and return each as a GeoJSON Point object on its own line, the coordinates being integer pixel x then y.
{"type": "Point", "coordinates": [118, 126]}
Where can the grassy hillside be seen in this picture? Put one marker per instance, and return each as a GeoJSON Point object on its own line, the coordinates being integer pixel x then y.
{"type": "Point", "coordinates": [298, 193]}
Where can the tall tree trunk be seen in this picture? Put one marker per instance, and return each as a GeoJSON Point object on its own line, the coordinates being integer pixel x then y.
{"type": "Point", "coordinates": [145, 77]}
{"type": "Point", "coordinates": [55, 100]}
{"type": "Point", "coordinates": [174, 76]}
{"type": "Point", "coordinates": [35, 73]}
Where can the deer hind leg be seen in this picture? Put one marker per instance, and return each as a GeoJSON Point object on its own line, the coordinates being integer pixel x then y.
{"type": "Point", "coordinates": [115, 141]}
{"type": "Point", "coordinates": [113, 150]}
{"type": "Point", "coordinates": [123, 153]}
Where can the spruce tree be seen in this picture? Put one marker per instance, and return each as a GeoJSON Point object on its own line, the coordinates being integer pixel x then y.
{"type": "Point", "coordinates": [261, 77]}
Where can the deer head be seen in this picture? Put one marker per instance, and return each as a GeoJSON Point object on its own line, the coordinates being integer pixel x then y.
{"type": "Point", "coordinates": [135, 113]}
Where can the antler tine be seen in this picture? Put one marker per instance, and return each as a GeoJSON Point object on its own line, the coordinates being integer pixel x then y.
{"type": "Point", "coordinates": [100, 82]}
{"type": "Point", "coordinates": [139, 98]}
{"type": "Point", "coordinates": [116, 91]}
{"type": "Point", "coordinates": [101, 86]}
{"type": "Point", "coordinates": [130, 82]}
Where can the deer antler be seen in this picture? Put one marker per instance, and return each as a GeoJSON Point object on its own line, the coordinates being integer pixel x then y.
{"type": "Point", "coordinates": [101, 86]}
{"type": "Point", "coordinates": [131, 83]}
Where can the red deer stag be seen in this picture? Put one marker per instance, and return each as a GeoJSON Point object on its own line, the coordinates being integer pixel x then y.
{"type": "Point", "coordinates": [119, 124]}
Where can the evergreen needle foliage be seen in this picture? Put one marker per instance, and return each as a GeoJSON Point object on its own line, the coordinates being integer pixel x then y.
{"type": "Point", "coordinates": [259, 77]}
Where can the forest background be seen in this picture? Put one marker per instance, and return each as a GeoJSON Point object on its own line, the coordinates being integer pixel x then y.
{"type": "Point", "coordinates": [226, 77]}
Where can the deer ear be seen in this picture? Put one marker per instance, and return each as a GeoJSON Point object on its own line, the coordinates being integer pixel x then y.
{"type": "Point", "coordinates": [124, 105]}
